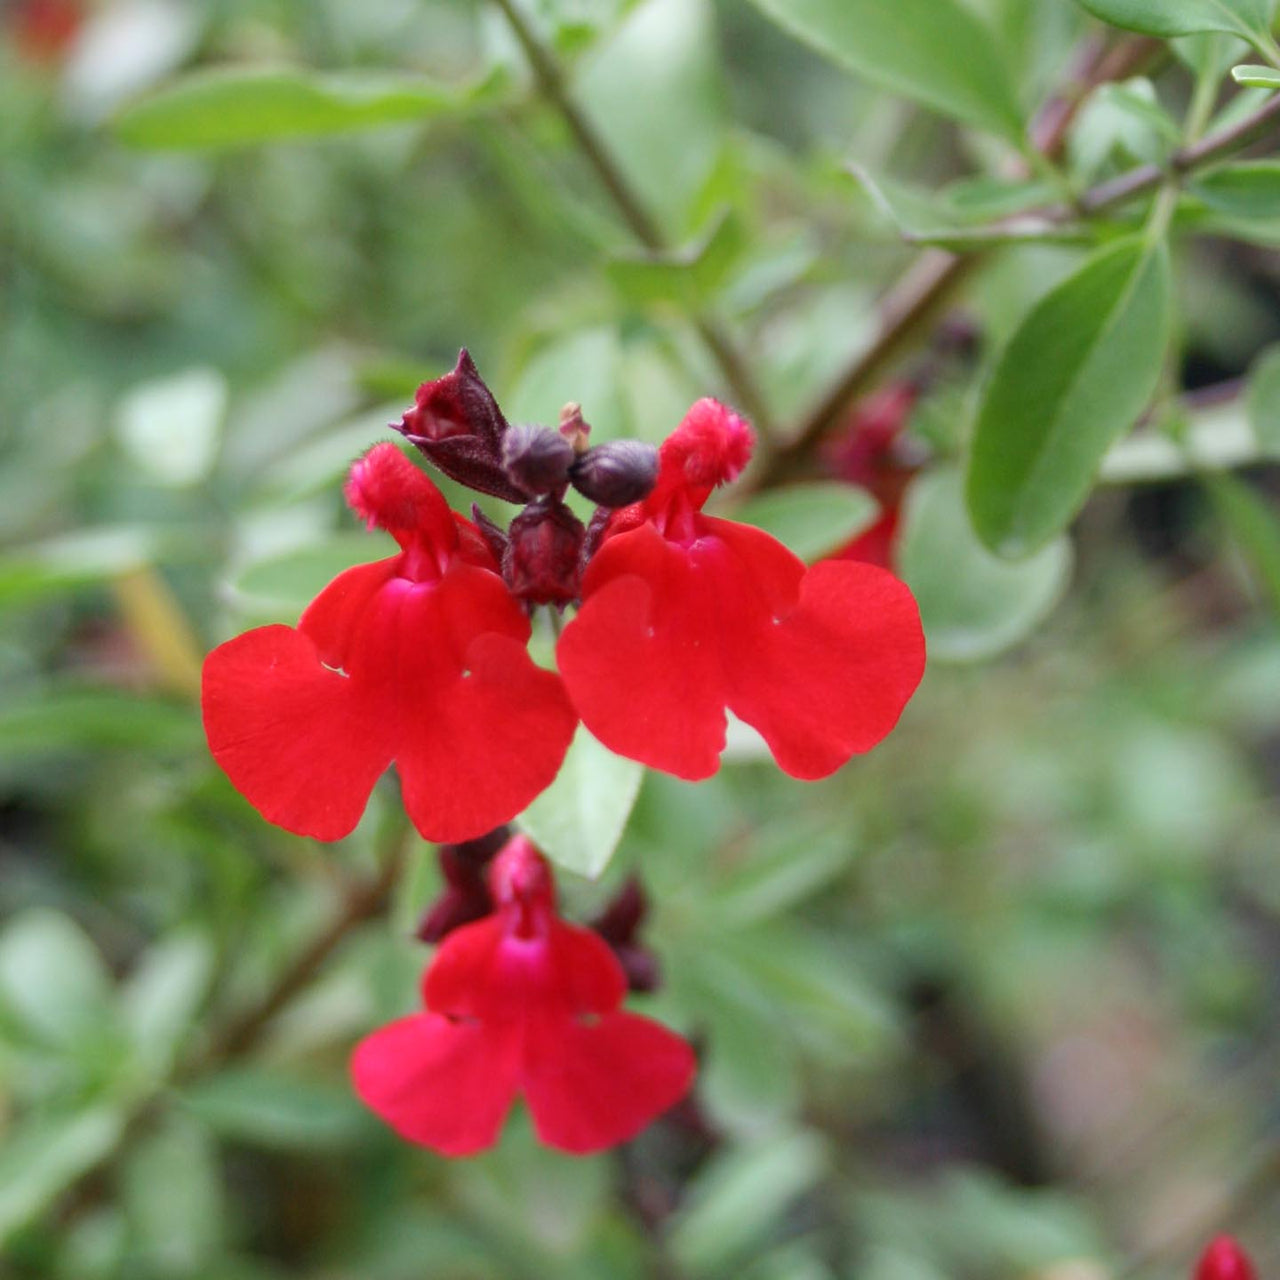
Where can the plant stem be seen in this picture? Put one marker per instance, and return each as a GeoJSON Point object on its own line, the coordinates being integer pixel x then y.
{"type": "Point", "coordinates": [551, 80]}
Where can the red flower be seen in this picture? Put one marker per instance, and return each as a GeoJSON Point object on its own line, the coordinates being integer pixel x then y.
{"type": "Point", "coordinates": [685, 615]}
{"type": "Point", "coordinates": [522, 1003]}
{"type": "Point", "coordinates": [1224, 1259]}
{"type": "Point", "coordinates": [419, 659]}
{"type": "Point", "coordinates": [43, 30]}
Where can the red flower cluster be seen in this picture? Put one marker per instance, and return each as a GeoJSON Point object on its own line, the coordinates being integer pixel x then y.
{"type": "Point", "coordinates": [1224, 1259]}
{"type": "Point", "coordinates": [684, 615]}
{"type": "Point", "coordinates": [522, 1003]}
{"type": "Point", "coordinates": [420, 659]}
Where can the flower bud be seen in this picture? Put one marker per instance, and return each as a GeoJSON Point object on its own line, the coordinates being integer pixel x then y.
{"type": "Point", "coordinates": [456, 423]}
{"type": "Point", "coordinates": [537, 459]}
{"type": "Point", "coordinates": [541, 565]}
{"type": "Point", "coordinates": [1224, 1259]}
{"type": "Point", "coordinates": [616, 474]}
{"type": "Point", "coordinates": [574, 427]}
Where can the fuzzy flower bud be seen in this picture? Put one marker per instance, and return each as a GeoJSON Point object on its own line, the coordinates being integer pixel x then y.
{"type": "Point", "coordinates": [616, 474]}
{"type": "Point", "coordinates": [541, 564]}
{"type": "Point", "coordinates": [537, 459]}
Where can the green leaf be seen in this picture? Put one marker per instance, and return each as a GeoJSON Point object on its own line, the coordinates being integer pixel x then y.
{"type": "Point", "coordinates": [267, 1108]}
{"type": "Point", "coordinates": [243, 106]}
{"type": "Point", "coordinates": [72, 718]}
{"type": "Point", "coordinates": [810, 519]}
{"type": "Point", "coordinates": [1253, 77]}
{"type": "Point", "coordinates": [1248, 18]}
{"type": "Point", "coordinates": [1078, 371]}
{"type": "Point", "coordinates": [1253, 525]}
{"type": "Point", "coordinates": [43, 1155]}
{"type": "Point", "coordinates": [579, 819]}
{"type": "Point", "coordinates": [687, 276]}
{"type": "Point", "coordinates": [52, 979]}
{"type": "Point", "coordinates": [280, 587]}
{"type": "Point", "coordinates": [1250, 189]}
{"type": "Point", "coordinates": [164, 993]}
{"type": "Point", "coordinates": [1262, 401]}
{"type": "Point", "coordinates": [173, 1200]}
{"type": "Point", "coordinates": [72, 560]}
{"type": "Point", "coordinates": [973, 604]}
{"type": "Point", "coordinates": [937, 52]}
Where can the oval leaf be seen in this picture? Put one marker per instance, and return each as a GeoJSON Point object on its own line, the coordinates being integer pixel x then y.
{"type": "Point", "coordinates": [810, 519]}
{"type": "Point", "coordinates": [1247, 190]}
{"type": "Point", "coordinates": [1262, 403]}
{"type": "Point", "coordinates": [973, 604]}
{"type": "Point", "coordinates": [1248, 18]}
{"type": "Point", "coordinates": [1256, 77]}
{"type": "Point", "coordinates": [934, 51]}
{"type": "Point", "coordinates": [1077, 372]}
{"type": "Point", "coordinates": [578, 821]}
{"type": "Point", "coordinates": [241, 106]}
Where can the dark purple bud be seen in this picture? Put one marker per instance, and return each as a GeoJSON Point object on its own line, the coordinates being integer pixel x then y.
{"type": "Point", "coordinates": [624, 913]}
{"type": "Point", "coordinates": [537, 459]}
{"type": "Point", "coordinates": [616, 474]}
{"type": "Point", "coordinates": [544, 554]}
{"type": "Point", "coordinates": [451, 910]}
{"type": "Point", "coordinates": [466, 894]}
{"type": "Point", "coordinates": [456, 423]}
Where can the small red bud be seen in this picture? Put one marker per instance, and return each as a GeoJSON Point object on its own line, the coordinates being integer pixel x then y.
{"type": "Point", "coordinates": [541, 565]}
{"type": "Point", "coordinates": [1224, 1259]}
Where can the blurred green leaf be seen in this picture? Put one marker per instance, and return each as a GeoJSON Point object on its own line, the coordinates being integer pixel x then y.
{"type": "Point", "coordinates": [53, 980]}
{"type": "Point", "coordinates": [173, 1199]}
{"type": "Point", "coordinates": [1076, 374]}
{"type": "Point", "coordinates": [1248, 18]}
{"type": "Point", "coordinates": [72, 718]}
{"type": "Point", "coordinates": [74, 560]}
{"type": "Point", "coordinates": [164, 993]}
{"type": "Point", "coordinates": [935, 51]}
{"type": "Point", "coordinates": [171, 427]}
{"type": "Point", "coordinates": [280, 587]}
{"type": "Point", "coordinates": [973, 604]}
{"type": "Point", "coordinates": [810, 519]}
{"type": "Point", "coordinates": [687, 276]}
{"type": "Point", "coordinates": [1253, 77]}
{"type": "Point", "coordinates": [244, 106]}
{"type": "Point", "coordinates": [44, 1154]}
{"type": "Point", "coordinates": [262, 1107]}
{"type": "Point", "coordinates": [579, 819]}
{"type": "Point", "coordinates": [740, 1196]}
{"type": "Point", "coordinates": [1250, 189]}
{"type": "Point", "coordinates": [1262, 401]}
{"type": "Point", "coordinates": [1254, 526]}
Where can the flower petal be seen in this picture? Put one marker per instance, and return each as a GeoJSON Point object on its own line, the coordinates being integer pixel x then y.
{"type": "Point", "coordinates": [832, 677]}
{"type": "Point", "coordinates": [447, 1085]}
{"type": "Point", "coordinates": [593, 1085]}
{"type": "Point", "coordinates": [293, 735]}
{"type": "Point", "coordinates": [641, 660]}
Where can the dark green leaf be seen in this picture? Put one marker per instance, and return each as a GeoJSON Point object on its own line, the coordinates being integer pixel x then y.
{"type": "Point", "coordinates": [1248, 18]}
{"type": "Point", "coordinates": [1078, 371]}
{"type": "Point", "coordinates": [1250, 189]}
{"type": "Point", "coordinates": [70, 718]}
{"type": "Point", "coordinates": [935, 51]}
{"type": "Point", "coordinates": [243, 106]}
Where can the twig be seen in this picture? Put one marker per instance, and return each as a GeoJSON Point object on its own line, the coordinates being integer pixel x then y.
{"type": "Point", "coordinates": [551, 80]}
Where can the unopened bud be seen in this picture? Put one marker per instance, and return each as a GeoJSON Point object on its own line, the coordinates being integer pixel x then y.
{"type": "Point", "coordinates": [574, 427]}
{"type": "Point", "coordinates": [537, 459]}
{"type": "Point", "coordinates": [1224, 1259]}
{"type": "Point", "coordinates": [616, 474]}
{"type": "Point", "coordinates": [541, 565]}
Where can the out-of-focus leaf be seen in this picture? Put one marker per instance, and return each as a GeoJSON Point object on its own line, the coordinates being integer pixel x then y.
{"type": "Point", "coordinates": [280, 587]}
{"type": "Point", "coordinates": [266, 1108]}
{"type": "Point", "coordinates": [1253, 525]}
{"type": "Point", "coordinates": [810, 519]}
{"type": "Point", "coordinates": [74, 560]}
{"type": "Point", "coordinates": [935, 51]}
{"type": "Point", "coordinates": [1248, 18]}
{"type": "Point", "coordinates": [52, 979]}
{"type": "Point", "coordinates": [579, 819]}
{"type": "Point", "coordinates": [687, 276]}
{"type": "Point", "coordinates": [164, 992]}
{"type": "Point", "coordinates": [171, 427]}
{"type": "Point", "coordinates": [973, 604]}
{"type": "Point", "coordinates": [243, 106]}
{"type": "Point", "coordinates": [1253, 77]}
{"type": "Point", "coordinates": [173, 1199]}
{"type": "Point", "coordinates": [788, 865]}
{"type": "Point", "coordinates": [1250, 189]}
{"type": "Point", "coordinates": [739, 1198]}
{"type": "Point", "coordinates": [43, 1155]}
{"type": "Point", "coordinates": [1262, 403]}
{"type": "Point", "coordinates": [69, 718]}
{"type": "Point", "coordinates": [662, 56]}
{"type": "Point", "coordinates": [581, 366]}
{"type": "Point", "coordinates": [1077, 373]}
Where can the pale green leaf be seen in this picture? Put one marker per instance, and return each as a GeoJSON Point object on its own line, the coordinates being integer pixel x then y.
{"type": "Point", "coordinates": [1262, 402]}
{"type": "Point", "coordinates": [163, 994]}
{"type": "Point", "coordinates": [578, 821]}
{"type": "Point", "coordinates": [972, 603]}
{"type": "Point", "coordinates": [937, 52]}
{"type": "Point", "coordinates": [1253, 77]}
{"type": "Point", "coordinates": [810, 519]}
{"type": "Point", "coordinates": [1249, 190]}
{"type": "Point", "coordinates": [1254, 526]}
{"type": "Point", "coordinates": [1077, 373]}
{"type": "Point", "coordinates": [1248, 18]}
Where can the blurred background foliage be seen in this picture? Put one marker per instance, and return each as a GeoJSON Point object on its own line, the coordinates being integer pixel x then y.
{"type": "Point", "coordinates": [1000, 1000]}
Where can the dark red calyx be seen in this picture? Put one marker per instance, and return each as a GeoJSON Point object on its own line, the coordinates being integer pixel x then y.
{"type": "Point", "coordinates": [544, 552]}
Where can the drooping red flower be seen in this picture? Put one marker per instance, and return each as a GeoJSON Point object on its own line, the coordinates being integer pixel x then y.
{"type": "Point", "coordinates": [685, 615]}
{"type": "Point", "coordinates": [522, 1003]}
{"type": "Point", "coordinates": [1224, 1259]}
{"type": "Point", "coordinates": [419, 659]}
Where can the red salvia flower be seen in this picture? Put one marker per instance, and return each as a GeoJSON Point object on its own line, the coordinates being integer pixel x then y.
{"type": "Point", "coordinates": [419, 659]}
{"type": "Point", "coordinates": [1224, 1259]}
{"type": "Point", "coordinates": [522, 1003]}
{"type": "Point", "coordinates": [685, 615]}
